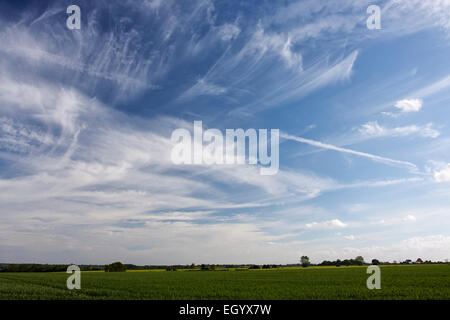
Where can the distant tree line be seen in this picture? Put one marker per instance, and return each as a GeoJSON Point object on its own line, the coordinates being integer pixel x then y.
{"type": "Point", "coordinates": [44, 267]}
{"type": "Point", "coordinates": [358, 261]}
{"type": "Point", "coordinates": [118, 266]}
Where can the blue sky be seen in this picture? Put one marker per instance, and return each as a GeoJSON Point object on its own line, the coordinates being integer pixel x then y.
{"type": "Point", "coordinates": [86, 118]}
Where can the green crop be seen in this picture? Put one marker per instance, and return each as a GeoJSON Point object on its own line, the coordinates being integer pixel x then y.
{"type": "Point", "coordinates": [397, 282]}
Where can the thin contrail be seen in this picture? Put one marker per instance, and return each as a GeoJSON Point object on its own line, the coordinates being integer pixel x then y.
{"type": "Point", "coordinates": [358, 153]}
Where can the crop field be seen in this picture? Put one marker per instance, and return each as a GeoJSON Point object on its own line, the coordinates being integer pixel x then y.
{"type": "Point", "coordinates": [397, 282]}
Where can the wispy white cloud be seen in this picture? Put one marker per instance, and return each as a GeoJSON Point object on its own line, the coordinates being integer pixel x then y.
{"type": "Point", "coordinates": [382, 183]}
{"type": "Point", "coordinates": [340, 71]}
{"type": "Point", "coordinates": [373, 129]}
{"type": "Point", "coordinates": [118, 59]}
{"type": "Point", "coordinates": [153, 4]}
{"type": "Point", "coordinates": [202, 87]}
{"type": "Point", "coordinates": [299, 85]}
{"type": "Point", "coordinates": [434, 88]}
{"type": "Point", "coordinates": [229, 31]}
{"type": "Point", "coordinates": [22, 138]}
{"type": "Point", "coordinates": [262, 42]}
{"type": "Point", "coordinates": [418, 15]}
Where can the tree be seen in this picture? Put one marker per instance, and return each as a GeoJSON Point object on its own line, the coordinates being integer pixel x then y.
{"type": "Point", "coordinates": [304, 260]}
{"type": "Point", "coordinates": [419, 260]}
{"type": "Point", "coordinates": [359, 260]}
{"type": "Point", "coordinates": [115, 267]}
{"type": "Point", "coordinates": [375, 261]}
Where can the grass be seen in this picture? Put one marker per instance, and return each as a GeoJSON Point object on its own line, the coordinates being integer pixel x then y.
{"type": "Point", "coordinates": [397, 282]}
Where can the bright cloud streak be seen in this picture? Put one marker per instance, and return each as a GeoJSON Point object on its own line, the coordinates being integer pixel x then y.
{"type": "Point", "coordinates": [349, 151]}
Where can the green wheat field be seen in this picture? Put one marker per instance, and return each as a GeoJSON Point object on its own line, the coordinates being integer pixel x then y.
{"type": "Point", "coordinates": [397, 282]}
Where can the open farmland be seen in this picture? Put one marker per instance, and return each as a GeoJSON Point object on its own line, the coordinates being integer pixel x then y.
{"type": "Point", "coordinates": [398, 282]}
